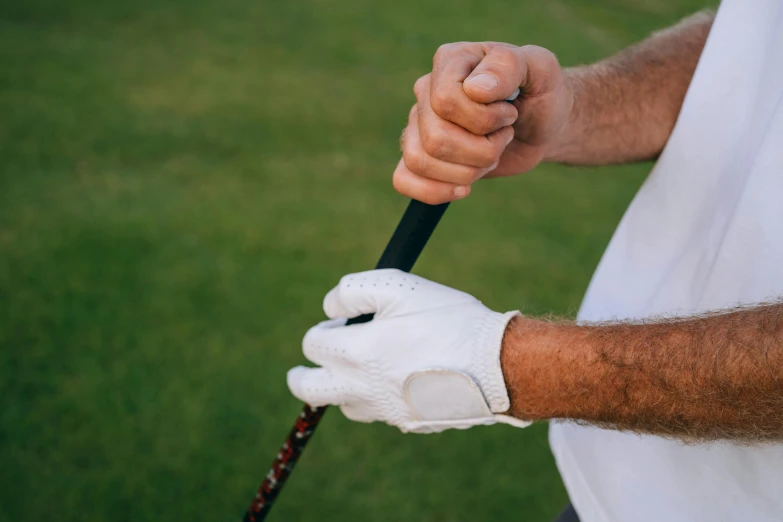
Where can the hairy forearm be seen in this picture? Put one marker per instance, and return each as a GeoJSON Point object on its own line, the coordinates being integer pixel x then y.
{"type": "Point", "coordinates": [625, 106]}
{"type": "Point", "coordinates": [706, 378]}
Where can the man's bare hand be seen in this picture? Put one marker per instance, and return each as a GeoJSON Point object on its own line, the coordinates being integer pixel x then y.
{"type": "Point", "coordinates": [461, 130]}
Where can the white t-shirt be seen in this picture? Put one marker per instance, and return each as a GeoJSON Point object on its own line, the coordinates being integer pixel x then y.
{"type": "Point", "coordinates": [704, 232]}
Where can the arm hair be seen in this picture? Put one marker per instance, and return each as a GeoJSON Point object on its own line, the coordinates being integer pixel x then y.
{"type": "Point", "coordinates": [625, 106]}
{"type": "Point", "coordinates": [716, 376]}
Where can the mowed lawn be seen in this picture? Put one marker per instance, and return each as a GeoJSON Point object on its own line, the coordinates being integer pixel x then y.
{"type": "Point", "coordinates": [180, 184]}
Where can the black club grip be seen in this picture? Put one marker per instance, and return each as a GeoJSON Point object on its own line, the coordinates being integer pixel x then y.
{"type": "Point", "coordinates": [412, 233]}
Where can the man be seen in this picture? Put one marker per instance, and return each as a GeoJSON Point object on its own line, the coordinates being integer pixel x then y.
{"type": "Point", "coordinates": [674, 372]}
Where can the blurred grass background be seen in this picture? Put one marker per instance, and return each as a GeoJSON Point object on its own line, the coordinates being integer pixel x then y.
{"type": "Point", "coordinates": [182, 181]}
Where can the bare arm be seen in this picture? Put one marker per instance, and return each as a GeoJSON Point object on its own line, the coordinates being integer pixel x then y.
{"type": "Point", "coordinates": [625, 106]}
{"type": "Point", "coordinates": [705, 378]}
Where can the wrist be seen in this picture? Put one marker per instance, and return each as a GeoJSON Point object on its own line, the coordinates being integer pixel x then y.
{"type": "Point", "coordinates": [565, 139]}
{"type": "Point", "coordinates": [486, 345]}
{"type": "Point", "coordinates": [544, 367]}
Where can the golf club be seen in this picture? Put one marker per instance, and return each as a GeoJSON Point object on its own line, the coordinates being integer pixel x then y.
{"type": "Point", "coordinates": [409, 238]}
{"type": "Point", "coordinates": [415, 228]}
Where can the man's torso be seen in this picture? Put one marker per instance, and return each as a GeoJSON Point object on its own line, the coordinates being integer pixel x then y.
{"type": "Point", "coordinates": [705, 232]}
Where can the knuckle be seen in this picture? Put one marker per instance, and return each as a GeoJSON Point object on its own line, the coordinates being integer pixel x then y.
{"type": "Point", "coordinates": [399, 184]}
{"type": "Point", "coordinates": [442, 103]}
{"type": "Point", "coordinates": [437, 144]}
{"type": "Point", "coordinates": [346, 281]}
{"type": "Point", "coordinates": [490, 155]}
{"type": "Point", "coordinates": [504, 56]}
{"type": "Point", "coordinates": [308, 349]}
{"type": "Point", "coordinates": [541, 53]}
{"type": "Point", "coordinates": [420, 86]}
{"type": "Point", "coordinates": [485, 123]}
{"type": "Point", "coordinates": [413, 160]}
{"type": "Point", "coordinates": [389, 274]}
{"type": "Point", "coordinates": [550, 58]}
{"type": "Point", "coordinates": [444, 50]}
{"type": "Point", "coordinates": [470, 176]}
{"type": "Point", "coordinates": [307, 343]}
{"type": "Point", "coordinates": [542, 59]}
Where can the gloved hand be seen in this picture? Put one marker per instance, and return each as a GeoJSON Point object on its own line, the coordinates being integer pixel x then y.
{"type": "Point", "coordinates": [429, 361]}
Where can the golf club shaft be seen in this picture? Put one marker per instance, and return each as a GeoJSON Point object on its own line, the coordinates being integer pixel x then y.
{"type": "Point", "coordinates": [415, 228]}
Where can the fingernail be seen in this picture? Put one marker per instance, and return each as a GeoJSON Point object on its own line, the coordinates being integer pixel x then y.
{"type": "Point", "coordinates": [460, 192]}
{"type": "Point", "coordinates": [484, 81]}
{"type": "Point", "coordinates": [511, 116]}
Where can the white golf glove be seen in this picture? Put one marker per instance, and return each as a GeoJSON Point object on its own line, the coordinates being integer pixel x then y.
{"type": "Point", "coordinates": [428, 361]}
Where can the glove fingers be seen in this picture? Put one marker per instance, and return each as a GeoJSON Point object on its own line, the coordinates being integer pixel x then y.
{"type": "Point", "coordinates": [317, 386]}
{"type": "Point", "coordinates": [366, 292]}
{"type": "Point", "coordinates": [380, 291]}
{"type": "Point", "coordinates": [319, 345]}
{"type": "Point", "coordinates": [337, 347]}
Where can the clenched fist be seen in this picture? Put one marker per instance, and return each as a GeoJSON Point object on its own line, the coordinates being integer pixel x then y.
{"type": "Point", "coordinates": [461, 130]}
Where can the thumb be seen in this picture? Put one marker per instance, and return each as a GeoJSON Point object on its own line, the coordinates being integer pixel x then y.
{"type": "Point", "coordinates": [497, 76]}
{"type": "Point", "coordinates": [504, 69]}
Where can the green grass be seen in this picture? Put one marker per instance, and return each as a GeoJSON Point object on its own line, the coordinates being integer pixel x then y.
{"type": "Point", "coordinates": [182, 181]}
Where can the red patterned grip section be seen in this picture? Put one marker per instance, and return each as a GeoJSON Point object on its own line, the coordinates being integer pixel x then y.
{"type": "Point", "coordinates": [284, 463]}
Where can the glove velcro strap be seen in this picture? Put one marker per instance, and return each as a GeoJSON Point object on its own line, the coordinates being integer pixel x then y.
{"type": "Point", "coordinates": [443, 399]}
{"type": "Point", "coordinates": [444, 395]}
